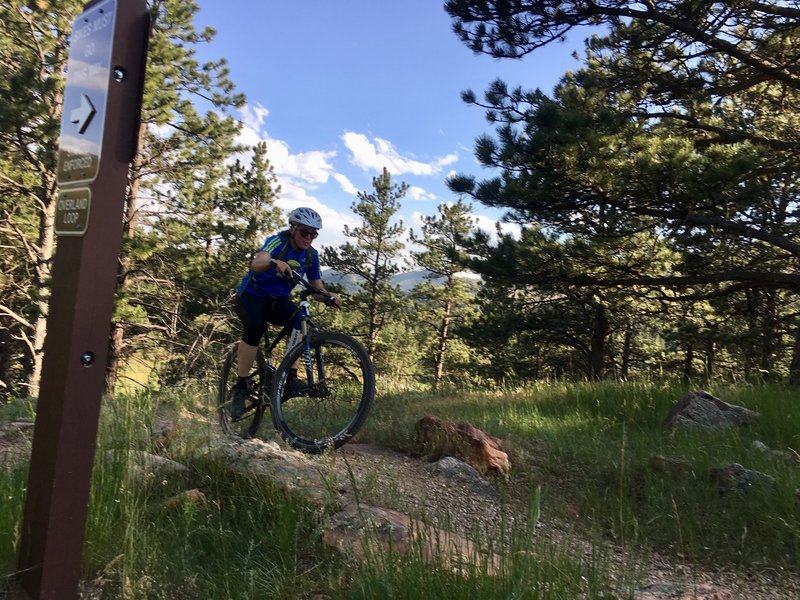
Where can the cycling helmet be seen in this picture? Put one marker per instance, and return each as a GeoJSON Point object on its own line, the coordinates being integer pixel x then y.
{"type": "Point", "coordinates": [305, 216]}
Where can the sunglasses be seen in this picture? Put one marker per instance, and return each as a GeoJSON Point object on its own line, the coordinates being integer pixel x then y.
{"type": "Point", "coordinates": [308, 233]}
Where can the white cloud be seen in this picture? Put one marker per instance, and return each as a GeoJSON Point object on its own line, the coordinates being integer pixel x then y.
{"type": "Point", "coordinates": [379, 153]}
{"type": "Point", "coordinates": [346, 185]}
{"type": "Point", "coordinates": [162, 132]}
{"type": "Point", "coordinates": [302, 175]}
{"type": "Point", "coordinates": [313, 167]}
{"type": "Point", "coordinates": [417, 193]}
{"type": "Point", "coordinates": [253, 117]}
{"type": "Point", "coordinates": [489, 225]}
{"type": "Point", "coordinates": [297, 175]}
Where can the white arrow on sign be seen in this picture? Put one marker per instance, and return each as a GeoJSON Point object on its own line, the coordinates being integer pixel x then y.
{"type": "Point", "coordinates": [83, 114]}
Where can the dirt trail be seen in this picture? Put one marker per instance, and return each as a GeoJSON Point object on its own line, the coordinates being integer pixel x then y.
{"type": "Point", "coordinates": [392, 480]}
{"type": "Point", "coordinates": [389, 479]}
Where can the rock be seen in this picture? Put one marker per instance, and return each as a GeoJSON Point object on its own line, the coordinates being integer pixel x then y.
{"type": "Point", "coordinates": [15, 442]}
{"type": "Point", "coordinates": [438, 438]}
{"type": "Point", "coordinates": [788, 456]}
{"type": "Point", "coordinates": [358, 530]}
{"type": "Point", "coordinates": [143, 465]}
{"type": "Point", "coordinates": [189, 497]}
{"type": "Point", "coordinates": [454, 469]}
{"type": "Point", "coordinates": [680, 591]}
{"type": "Point", "coordinates": [457, 470]}
{"type": "Point", "coordinates": [735, 478]}
{"type": "Point", "coordinates": [290, 470]}
{"type": "Point", "coordinates": [159, 464]}
{"type": "Point", "coordinates": [702, 410]}
{"type": "Point", "coordinates": [670, 465]}
{"type": "Point", "coordinates": [163, 431]}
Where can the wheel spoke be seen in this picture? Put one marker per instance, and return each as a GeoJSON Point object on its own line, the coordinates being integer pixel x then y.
{"type": "Point", "coordinates": [247, 424]}
{"type": "Point", "coordinates": [334, 406]}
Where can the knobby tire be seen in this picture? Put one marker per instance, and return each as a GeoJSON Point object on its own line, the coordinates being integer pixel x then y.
{"type": "Point", "coordinates": [247, 425]}
{"type": "Point", "coordinates": [324, 418]}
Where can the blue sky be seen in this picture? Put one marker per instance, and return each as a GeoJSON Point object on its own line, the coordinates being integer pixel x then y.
{"type": "Point", "coordinates": [339, 89]}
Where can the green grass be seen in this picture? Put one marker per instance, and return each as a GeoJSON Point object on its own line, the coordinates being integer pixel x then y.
{"type": "Point", "coordinates": [589, 445]}
{"type": "Point", "coordinates": [585, 445]}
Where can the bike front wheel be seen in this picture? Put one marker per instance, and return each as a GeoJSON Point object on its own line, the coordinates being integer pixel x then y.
{"type": "Point", "coordinates": [247, 424]}
{"type": "Point", "coordinates": [328, 408]}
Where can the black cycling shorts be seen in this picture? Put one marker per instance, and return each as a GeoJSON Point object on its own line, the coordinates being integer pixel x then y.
{"type": "Point", "coordinates": [255, 312]}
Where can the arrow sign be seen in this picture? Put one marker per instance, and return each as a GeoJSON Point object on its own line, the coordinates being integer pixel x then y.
{"type": "Point", "coordinates": [86, 93]}
{"type": "Point", "coordinates": [83, 114]}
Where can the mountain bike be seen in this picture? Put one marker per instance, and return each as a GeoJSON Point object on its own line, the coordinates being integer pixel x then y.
{"type": "Point", "coordinates": [336, 384]}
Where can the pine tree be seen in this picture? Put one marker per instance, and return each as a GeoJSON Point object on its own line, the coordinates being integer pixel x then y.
{"type": "Point", "coordinates": [444, 299]}
{"type": "Point", "coordinates": [177, 180]}
{"type": "Point", "coordinates": [184, 126]}
{"type": "Point", "coordinates": [33, 56]}
{"type": "Point", "coordinates": [682, 125]}
{"type": "Point", "coordinates": [373, 257]}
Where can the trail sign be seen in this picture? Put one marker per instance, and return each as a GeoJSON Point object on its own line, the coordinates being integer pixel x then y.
{"type": "Point", "coordinates": [102, 105]}
{"type": "Point", "coordinates": [85, 95]}
{"type": "Point", "coordinates": [72, 211]}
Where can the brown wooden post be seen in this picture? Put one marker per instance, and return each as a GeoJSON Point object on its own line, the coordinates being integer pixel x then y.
{"type": "Point", "coordinates": [102, 105]}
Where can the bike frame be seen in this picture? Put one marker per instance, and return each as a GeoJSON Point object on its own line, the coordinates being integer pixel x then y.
{"type": "Point", "coordinates": [298, 330]}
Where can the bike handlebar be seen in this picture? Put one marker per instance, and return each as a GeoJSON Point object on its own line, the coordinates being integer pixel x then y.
{"type": "Point", "coordinates": [308, 289]}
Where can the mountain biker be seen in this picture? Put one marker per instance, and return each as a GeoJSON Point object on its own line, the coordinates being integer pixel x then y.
{"type": "Point", "coordinates": [263, 294]}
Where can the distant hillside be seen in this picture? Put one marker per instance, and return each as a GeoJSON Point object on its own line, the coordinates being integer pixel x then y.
{"type": "Point", "coordinates": [406, 280]}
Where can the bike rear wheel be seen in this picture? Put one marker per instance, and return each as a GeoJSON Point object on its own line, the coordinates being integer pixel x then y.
{"type": "Point", "coordinates": [247, 425]}
{"type": "Point", "coordinates": [329, 410]}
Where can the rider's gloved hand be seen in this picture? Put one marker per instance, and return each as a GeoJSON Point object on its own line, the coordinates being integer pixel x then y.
{"type": "Point", "coordinates": [282, 267]}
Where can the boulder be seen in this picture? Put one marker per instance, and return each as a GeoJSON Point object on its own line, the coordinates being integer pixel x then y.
{"type": "Point", "coordinates": [700, 409]}
{"type": "Point", "coordinates": [291, 471]}
{"type": "Point", "coordinates": [453, 468]}
{"type": "Point", "coordinates": [788, 456]}
{"type": "Point", "coordinates": [193, 497]}
{"type": "Point", "coordinates": [456, 470]}
{"type": "Point", "coordinates": [670, 465]}
{"type": "Point", "coordinates": [143, 466]}
{"type": "Point", "coordinates": [164, 431]}
{"type": "Point", "coordinates": [15, 442]}
{"type": "Point", "coordinates": [437, 438]}
{"type": "Point", "coordinates": [358, 530]}
{"type": "Point", "coordinates": [735, 478]}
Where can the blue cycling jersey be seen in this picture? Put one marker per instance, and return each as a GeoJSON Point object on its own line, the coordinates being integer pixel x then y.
{"type": "Point", "coordinates": [269, 283]}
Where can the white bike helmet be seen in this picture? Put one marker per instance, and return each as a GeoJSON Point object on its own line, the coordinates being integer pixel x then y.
{"type": "Point", "coordinates": [305, 216]}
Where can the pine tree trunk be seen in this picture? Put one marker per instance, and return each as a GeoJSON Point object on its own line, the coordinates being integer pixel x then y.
{"type": "Point", "coordinates": [115, 344]}
{"type": "Point", "coordinates": [372, 337]}
{"type": "Point", "coordinates": [116, 339]}
{"type": "Point", "coordinates": [442, 346]}
{"type": "Point", "coordinates": [600, 330]}
{"type": "Point", "coordinates": [6, 380]}
{"type": "Point", "coordinates": [794, 366]}
{"type": "Point", "coordinates": [372, 311]}
{"type": "Point", "coordinates": [627, 350]}
{"type": "Point", "coordinates": [43, 268]}
{"type": "Point", "coordinates": [770, 335]}
{"type": "Point", "coordinates": [688, 372]}
{"type": "Point", "coordinates": [711, 357]}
